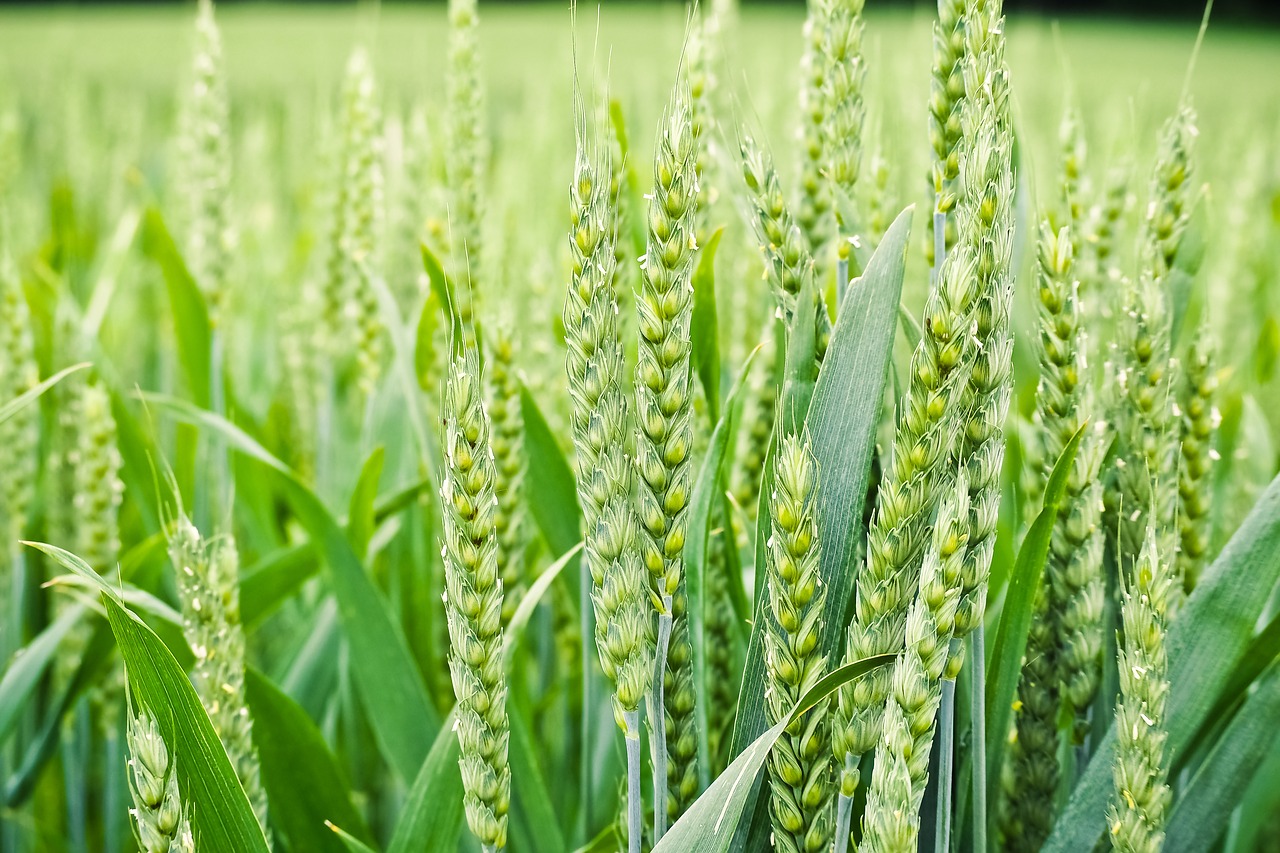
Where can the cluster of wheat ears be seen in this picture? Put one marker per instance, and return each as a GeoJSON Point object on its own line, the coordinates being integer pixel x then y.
{"type": "Point", "coordinates": [771, 534]}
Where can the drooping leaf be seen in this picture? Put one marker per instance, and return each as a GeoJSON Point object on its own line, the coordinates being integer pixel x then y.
{"type": "Point", "coordinates": [221, 815]}
{"type": "Point", "coordinates": [1205, 643]}
{"type": "Point", "coordinates": [712, 821]}
{"type": "Point", "coordinates": [404, 721]}
{"type": "Point", "coordinates": [26, 398]}
{"type": "Point", "coordinates": [304, 784]}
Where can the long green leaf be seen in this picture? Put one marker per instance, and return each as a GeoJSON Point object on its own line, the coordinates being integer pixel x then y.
{"type": "Point", "coordinates": [1205, 807]}
{"type": "Point", "coordinates": [404, 721]}
{"type": "Point", "coordinates": [530, 800]}
{"type": "Point", "coordinates": [1262, 652]}
{"type": "Point", "coordinates": [707, 491]}
{"type": "Point", "coordinates": [554, 502]}
{"type": "Point", "coordinates": [26, 398]}
{"type": "Point", "coordinates": [704, 329]}
{"type": "Point", "coordinates": [361, 519]}
{"type": "Point", "coordinates": [29, 666]}
{"type": "Point", "coordinates": [266, 584]}
{"type": "Point", "coordinates": [190, 314]}
{"type": "Point", "coordinates": [442, 287]}
{"type": "Point", "coordinates": [844, 415]}
{"type": "Point", "coordinates": [1015, 619]}
{"type": "Point", "coordinates": [303, 782]}
{"type": "Point", "coordinates": [711, 822]}
{"type": "Point", "coordinates": [1206, 642]}
{"type": "Point", "coordinates": [431, 817]}
{"type": "Point", "coordinates": [221, 815]}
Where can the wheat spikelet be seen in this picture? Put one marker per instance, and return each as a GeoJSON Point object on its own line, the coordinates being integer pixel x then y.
{"type": "Point", "coordinates": [208, 586]}
{"type": "Point", "coordinates": [473, 598]}
{"type": "Point", "coordinates": [1137, 814]}
{"type": "Point", "coordinates": [800, 762]}
{"type": "Point", "coordinates": [892, 820]}
{"type": "Point", "coordinates": [161, 818]}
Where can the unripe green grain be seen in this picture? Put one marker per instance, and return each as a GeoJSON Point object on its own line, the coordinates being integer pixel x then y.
{"type": "Point", "coordinates": [813, 208]}
{"type": "Point", "coordinates": [1137, 815]}
{"type": "Point", "coordinates": [664, 411]}
{"type": "Point", "coordinates": [95, 475]}
{"type": "Point", "coordinates": [1145, 476]}
{"type": "Point", "coordinates": [789, 262]}
{"type": "Point", "coordinates": [349, 302]}
{"type": "Point", "coordinates": [473, 599]}
{"type": "Point", "coordinates": [946, 95]}
{"type": "Point", "coordinates": [1198, 427]}
{"type": "Point", "coordinates": [800, 775]}
{"type": "Point", "coordinates": [20, 434]}
{"type": "Point", "coordinates": [892, 820]}
{"type": "Point", "coordinates": [843, 76]}
{"type": "Point", "coordinates": [985, 221]}
{"type": "Point", "coordinates": [510, 462]}
{"type": "Point", "coordinates": [1063, 654]}
{"type": "Point", "coordinates": [913, 483]}
{"type": "Point", "coordinates": [161, 819]}
{"type": "Point", "coordinates": [205, 165]}
{"type": "Point", "coordinates": [208, 586]}
{"type": "Point", "coordinates": [600, 426]}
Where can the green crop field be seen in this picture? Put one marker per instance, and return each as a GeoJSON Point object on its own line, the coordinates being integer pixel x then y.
{"type": "Point", "coordinates": [637, 428]}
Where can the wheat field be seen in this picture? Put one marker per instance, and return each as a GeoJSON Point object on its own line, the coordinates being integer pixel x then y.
{"type": "Point", "coordinates": [628, 428]}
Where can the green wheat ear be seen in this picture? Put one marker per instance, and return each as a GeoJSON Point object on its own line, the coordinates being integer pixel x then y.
{"type": "Point", "coordinates": [161, 819]}
{"type": "Point", "coordinates": [1137, 814]}
{"type": "Point", "coordinates": [465, 157]}
{"type": "Point", "coordinates": [596, 369]}
{"type": "Point", "coordinates": [350, 307]}
{"type": "Point", "coordinates": [208, 586]}
{"type": "Point", "coordinates": [892, 820]}
{"type": "Point", "coordinates": [1064, 648]}
{"type": "Point", "coordinates": [204, 169]}
{"type": "Point", "coordinates": [510, 464]}
{"type": "Point", "coordinates": [473, 599]}
{"type": "Point", "coordinates": [1145, 477]}
{"type": "Point", "coordinates": [1199, 421]}
{"type": "Point", "coordinates": [800, 775]}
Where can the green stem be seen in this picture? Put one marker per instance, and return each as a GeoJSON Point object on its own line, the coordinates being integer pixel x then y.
{"type": "Point", "coordinates": [587, 622]}
{"type": "Point", "coordinates": [977, 654]}
{"type": "Point", "coordinates": [635, 809]}
{"type": "Point", "coordinates": [946, 765]}
{"type": "Point", "coordinates": [844, 812]}
{"type": "Point", "coordinates": [658, 722]}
